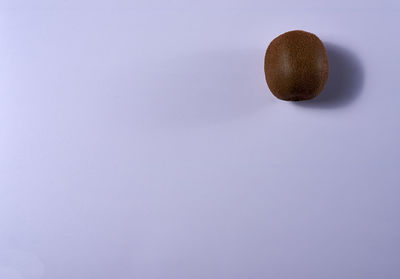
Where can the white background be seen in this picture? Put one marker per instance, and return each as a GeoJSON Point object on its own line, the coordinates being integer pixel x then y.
{"type": "Point", "coordinates": [139, 140]}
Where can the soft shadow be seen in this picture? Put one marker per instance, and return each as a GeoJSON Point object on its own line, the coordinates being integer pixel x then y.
{"type": "Point", "coordinates": [345, 82]}
{"type": "Point", "coordinates": [210, 86]}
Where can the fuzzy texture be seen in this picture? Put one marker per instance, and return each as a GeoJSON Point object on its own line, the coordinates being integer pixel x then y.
{"type": "Point", "coordinates": [296, 66]}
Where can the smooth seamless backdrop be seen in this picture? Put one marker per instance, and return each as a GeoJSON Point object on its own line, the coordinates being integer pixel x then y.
{"type": "Point", "coordinates": [139, 140]}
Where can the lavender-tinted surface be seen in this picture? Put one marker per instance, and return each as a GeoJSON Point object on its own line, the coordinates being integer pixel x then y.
{"type": "Point", "coordinates": [139, 140]}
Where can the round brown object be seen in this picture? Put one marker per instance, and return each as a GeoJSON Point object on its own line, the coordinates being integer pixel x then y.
{"type": "Point", "coordinates": [296, 66]}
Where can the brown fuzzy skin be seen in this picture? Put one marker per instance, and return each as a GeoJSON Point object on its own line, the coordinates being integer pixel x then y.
{"type": "Point", "coordinates": [296, 66]}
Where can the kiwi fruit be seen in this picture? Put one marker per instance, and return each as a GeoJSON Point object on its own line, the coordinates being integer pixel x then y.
{"type": "Point", "coordinates": [296, 66]}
